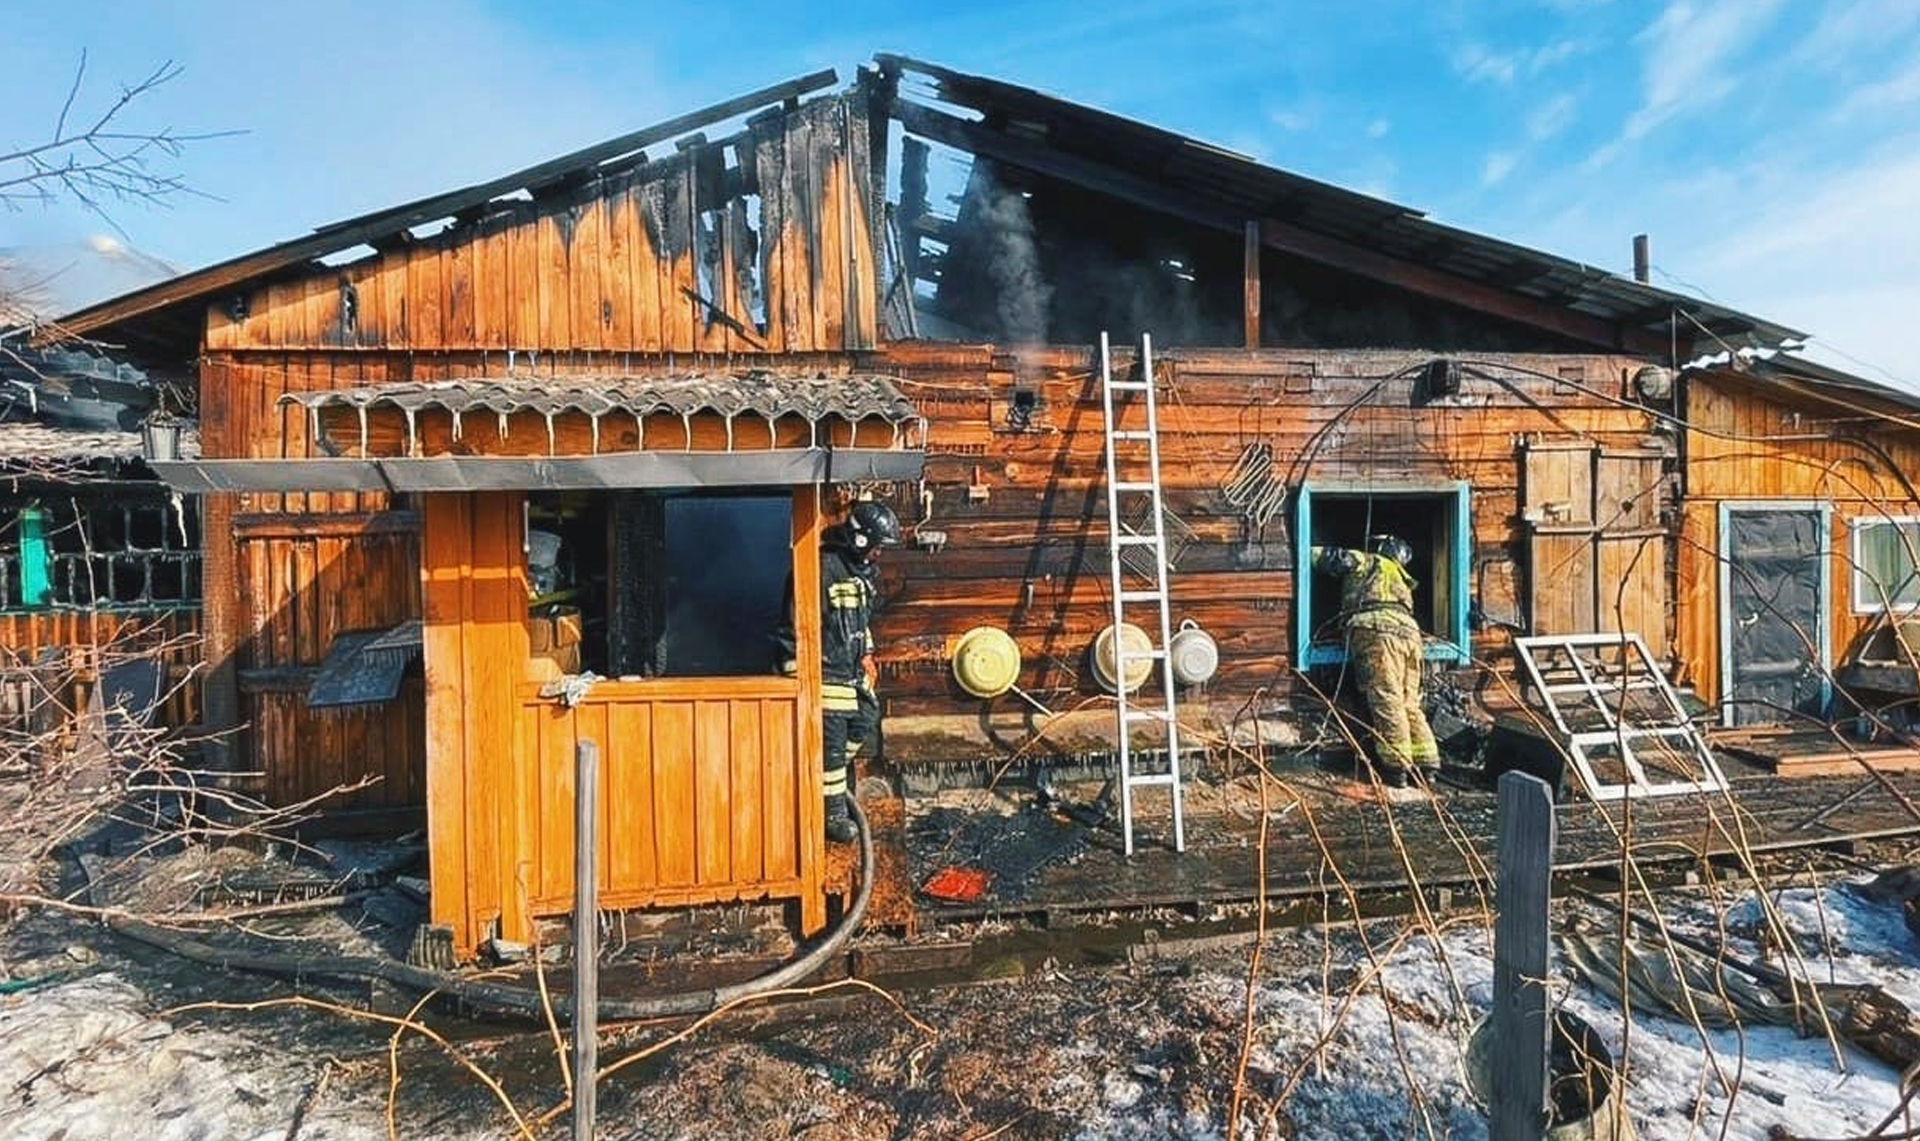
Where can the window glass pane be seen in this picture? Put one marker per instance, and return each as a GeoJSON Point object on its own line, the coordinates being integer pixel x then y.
{"type": "Point", "coordinates": [1884, 571]}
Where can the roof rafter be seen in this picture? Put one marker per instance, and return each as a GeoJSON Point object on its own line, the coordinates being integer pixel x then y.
{"type": "Point", "coordinates": [1274, 232]}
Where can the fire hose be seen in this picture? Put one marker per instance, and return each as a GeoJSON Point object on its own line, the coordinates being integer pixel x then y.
{"type": "Point", "coordinates": [508, 998]}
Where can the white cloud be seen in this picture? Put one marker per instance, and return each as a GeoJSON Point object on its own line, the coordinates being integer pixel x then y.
{"type": "Point", "coordinates": [1477, 63]}
{"type": "Point", "coordinates": [1844, 30]}
{"type": "Point", "coordinates": [1828, 251]}
{"type": "Point", "coordinates": [1551, 117]}
{"type": "Point", "coordinates": [1290, 119]}
{"type": "Point", "coordinates": [1689, 53]}
{"type": "Point", "coordinates": [1897, 90]}
{"type": "Point", "coordinates": [1498, 166]}
{"type": "Point", "coordinates": [1378, 128]}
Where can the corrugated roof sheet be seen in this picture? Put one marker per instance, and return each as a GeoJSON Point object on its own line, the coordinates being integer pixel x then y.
{"type": "Point", "coordinates": [29, 441]}
{"type": "Point", "coordinates": [763, 394]}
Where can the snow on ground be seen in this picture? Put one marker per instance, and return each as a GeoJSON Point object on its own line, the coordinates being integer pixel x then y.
{"type": "Point", "coordinates": [1367, 1041]}
{"type": "Point", "coordinates": [89, 1059]}
{"type": "Point", "coordinates": [1359, 1086]}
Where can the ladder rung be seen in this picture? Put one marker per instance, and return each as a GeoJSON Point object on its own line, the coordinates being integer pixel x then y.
{"type": "Point", "coordinates": [1136, 540]}
{"type": "Point", "coordinates": [1136, 485]}
{"type": "Point", "coordinates": [1130, 434]}
{"type": "Point", "coordinates": [1147, 715]}
{"type": "Point", "coordinates": [1129, 385]}
{"type": "Point", "coordinates": [1127, 655]}
{"type": "Point", "coordinates": [1155, 778]}
{"type": "Point", "coordinates": [1141, 596]}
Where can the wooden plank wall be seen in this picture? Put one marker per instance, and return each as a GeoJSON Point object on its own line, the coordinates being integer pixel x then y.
{"type": "Point", "coordinates": [83, 635]}
{"type": "Point", "coordinates": [1748, 441]}
{"type": "Point", "coordinates": [1024, 517]}
{"type": "Point", "coordinates": [615, 262]}
{"type": "Point", "coordinates": [598, 274]}
{"type": "Point", "coordinates": [711, 788]}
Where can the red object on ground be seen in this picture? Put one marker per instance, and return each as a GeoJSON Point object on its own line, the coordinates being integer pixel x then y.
{"type": "Point", "coordinates": [957, 885]}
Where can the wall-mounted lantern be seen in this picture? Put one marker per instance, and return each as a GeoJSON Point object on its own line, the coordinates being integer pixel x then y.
{"type": "Point", "coordinates": [160, 437]}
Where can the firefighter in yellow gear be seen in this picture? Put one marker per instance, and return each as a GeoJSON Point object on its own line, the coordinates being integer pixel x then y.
{"type": "Point", "coordinates": [849, 594]}
{"type": "Point", "coordinates": [1384, 648]}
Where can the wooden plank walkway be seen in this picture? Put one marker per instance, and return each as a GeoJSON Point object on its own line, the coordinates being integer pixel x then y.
{"type": "Point", "coordinates": [1332, 843]}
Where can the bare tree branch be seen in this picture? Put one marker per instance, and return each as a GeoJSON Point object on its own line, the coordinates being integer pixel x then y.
{"type": "Point", "coordinates": [105, 160]}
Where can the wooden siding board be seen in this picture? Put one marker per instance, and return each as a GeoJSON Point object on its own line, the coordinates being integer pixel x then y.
{"type": "Point", "coordinates": [746, 755]}
{"type": "Point", "coordinates": [713, 792]}
{"type": "Point", "coordinates": [630, 798]}
{"type": "Point", "coordinates": [446, 550]}
{"type": "Point", "coordinates": [616, 281]}
{"type": "Point", "coordinates": [584, 221]}
{"type": "Point", "coordinates": [674, 805]}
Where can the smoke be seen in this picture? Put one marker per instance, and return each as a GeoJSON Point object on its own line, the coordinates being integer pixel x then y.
{"type": "Point", "coordinates": [1022, 295]}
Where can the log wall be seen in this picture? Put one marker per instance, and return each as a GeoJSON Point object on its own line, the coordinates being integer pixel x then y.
{"type": "Point", "coordinates": [1024, 518]}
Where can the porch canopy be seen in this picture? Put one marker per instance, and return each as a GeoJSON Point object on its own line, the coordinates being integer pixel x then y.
{"type": "Point", "coordinates": [755, 428]}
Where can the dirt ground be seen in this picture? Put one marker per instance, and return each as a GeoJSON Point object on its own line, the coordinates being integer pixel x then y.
{"type": "Point", "coordinates": [1098, 1031]}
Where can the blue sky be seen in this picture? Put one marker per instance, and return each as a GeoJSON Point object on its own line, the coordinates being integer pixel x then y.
{"type": "Point", "coordinates": [1771, 148]}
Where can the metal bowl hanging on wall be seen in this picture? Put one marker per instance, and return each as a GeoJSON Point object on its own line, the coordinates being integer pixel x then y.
{"type": "Point", "coordinates": [1100, 657]}
{"type": "Point", "coordinates": [1193, 653]}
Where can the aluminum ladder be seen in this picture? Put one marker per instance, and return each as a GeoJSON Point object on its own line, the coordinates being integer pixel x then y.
{"type": "Point", "coordinates": [1138, 583]}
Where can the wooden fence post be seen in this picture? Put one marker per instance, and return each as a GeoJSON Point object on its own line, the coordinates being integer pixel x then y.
{"type": "Point", "coordinates": [586, 937]}
{"type": "Point", "coordinates": [1520, 1022]}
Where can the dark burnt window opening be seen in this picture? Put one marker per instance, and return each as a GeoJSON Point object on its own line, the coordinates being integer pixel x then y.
{"type": "Point", "coordinates": [138, 552]}
{"type": "Point", "coordinates": [1022, 403]}
{"type": "Point", "coordinates": [1434, 521]}
{"type": "Point", "coordinates": [661, 584]}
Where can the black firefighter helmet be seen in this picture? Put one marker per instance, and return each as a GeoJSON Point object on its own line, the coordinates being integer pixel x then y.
{"type": "Point", "coordinates": [1391, 547]}
{"type": "Point", "coordinates": [872, 524]}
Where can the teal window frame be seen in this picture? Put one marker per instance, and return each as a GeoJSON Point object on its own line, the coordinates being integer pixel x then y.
{"type": "Point", "coordinates": [1452, 645]}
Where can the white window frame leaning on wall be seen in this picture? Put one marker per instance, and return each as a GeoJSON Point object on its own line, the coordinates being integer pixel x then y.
{"type": "Point", "coordinates": [1868, 594]}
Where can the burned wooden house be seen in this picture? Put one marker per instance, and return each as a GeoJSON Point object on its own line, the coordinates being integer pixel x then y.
{"type": "Point", "coordinates": [99, 560]}
{"type": "Point", "coordinates": [584, 420]}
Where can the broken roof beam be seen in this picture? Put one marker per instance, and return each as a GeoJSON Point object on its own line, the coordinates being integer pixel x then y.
{"type": "Point", "coordinates": [1278, 234]}
{"type": "Point", "coordinates": [366, 228]}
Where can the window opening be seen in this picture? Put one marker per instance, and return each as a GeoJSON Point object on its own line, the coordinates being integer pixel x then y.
{"type": "Point", "coordinates": [1435, 522]}
{"type": "Point", "coordinates": [663, 584]}
{"type": "Point", "coordinates": [134, 553]}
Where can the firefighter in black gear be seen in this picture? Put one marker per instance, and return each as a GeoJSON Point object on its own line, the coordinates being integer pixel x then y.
{"type": "Point", "coordinates": [849, 594]}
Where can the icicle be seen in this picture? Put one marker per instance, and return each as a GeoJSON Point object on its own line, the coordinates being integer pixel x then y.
{"type": "Point", "coordinates": [773, 437]}
{"type": "Point", "coordinates": [729, 431]}
{"type": "Point", "coordinates": [511, 355]}
{"type": "Point", "coordinates": [313, 421]}
{"type": "Point", "coordinates": [456, 423]}
{"type": "Point", "coordinates": [639, 432]}
{"type": "Point", "coordinates": [686, 421]}
{"type": "Point", "coordinates": [552, 448]}
{"type": "Point", "coordinates": [413, 440]}
{"type": "Point", "coordinates": [180, 518]}
{"type": "Point", "coordinates": [500, 427]}
{"type": "Point", "coordinates": [595, 421]}
{"type": "Point", "coordinates": [362, 410]}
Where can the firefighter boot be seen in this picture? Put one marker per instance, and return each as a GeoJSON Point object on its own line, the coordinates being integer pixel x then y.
{"type": "Point", "coordinates": [840, 828]}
